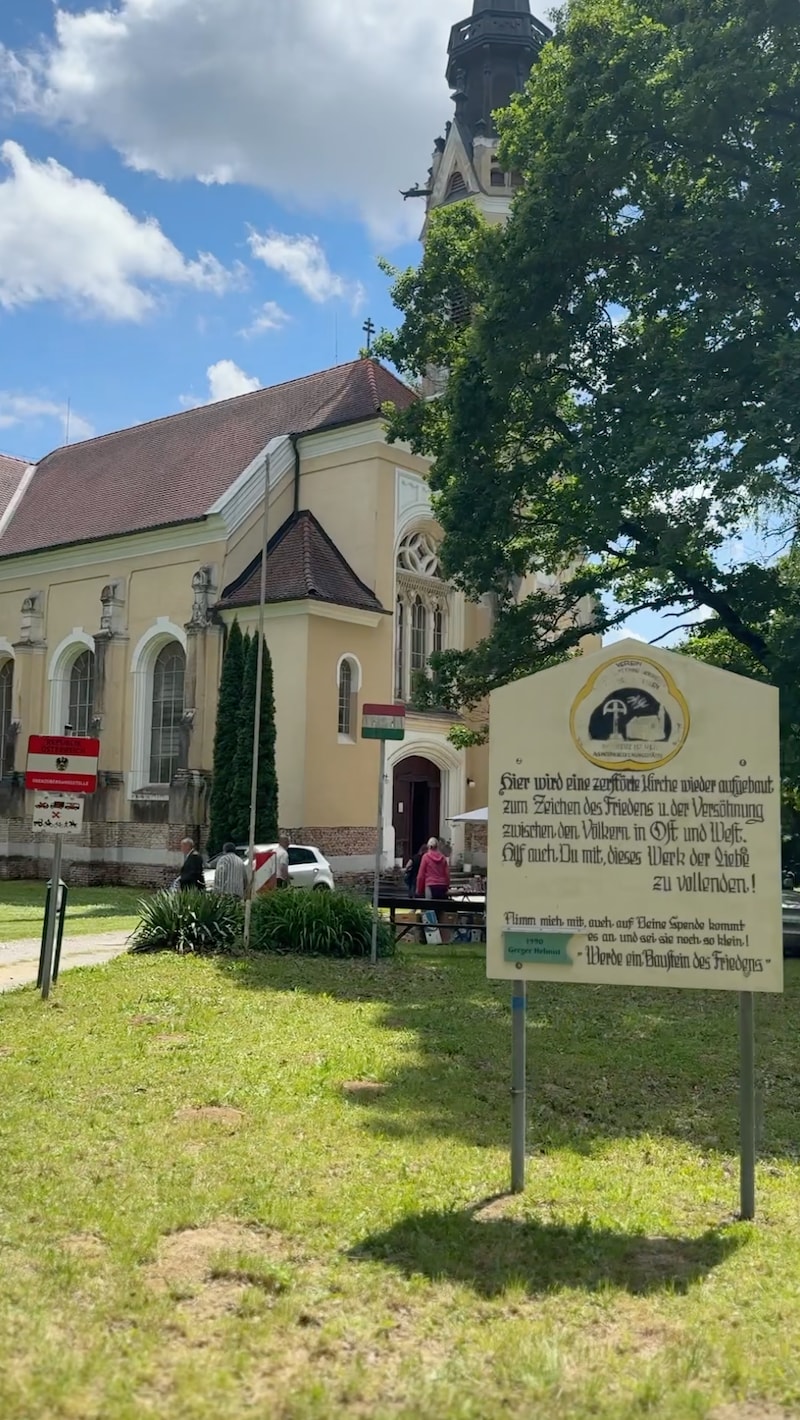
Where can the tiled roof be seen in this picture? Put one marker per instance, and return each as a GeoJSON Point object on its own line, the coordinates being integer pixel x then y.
{"type": "Point", "coordinates": [302, 563]}
{"type": "Point", "coordinates": [11, 471]}
{"type": "Point", "coordinates": [175, 469]}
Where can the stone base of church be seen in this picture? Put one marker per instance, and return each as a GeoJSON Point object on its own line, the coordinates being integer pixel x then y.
{"type": "Point", "coordinates": [147, 854]}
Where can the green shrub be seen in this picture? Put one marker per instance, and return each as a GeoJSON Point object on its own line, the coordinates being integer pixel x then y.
{"type": "Point", "coordinates": [308, 923]}
{"type": "Point", "coordinates": [188, 922]}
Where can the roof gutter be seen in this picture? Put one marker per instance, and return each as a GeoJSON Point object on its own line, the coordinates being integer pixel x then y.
{"type": "Point", "coordinates": [295, 438]}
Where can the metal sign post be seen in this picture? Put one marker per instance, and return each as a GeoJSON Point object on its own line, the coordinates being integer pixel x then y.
{"type": "Point", "coordinates": [52, 919]}
{"type": "Point", "coordinates": [519, 1103]}
{"type": "Point", "coordinates": [381, 722]}
{"type": "Point", "coordinates": [747, 1107]}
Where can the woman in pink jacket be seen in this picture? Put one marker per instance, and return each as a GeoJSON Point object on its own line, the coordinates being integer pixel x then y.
{"type": "Point", "coordinates": [433, 880]}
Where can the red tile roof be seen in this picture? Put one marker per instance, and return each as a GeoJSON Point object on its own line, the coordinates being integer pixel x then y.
{"type": "Point", "coordinates": [174, 470]}
{"type": "Point", "coordinates": [11, 472]}
{"type": "Point", "coordinates": [302, 564]}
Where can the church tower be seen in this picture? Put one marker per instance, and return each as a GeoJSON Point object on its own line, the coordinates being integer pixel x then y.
{"type": "Point", "coordinates": [489, 58]}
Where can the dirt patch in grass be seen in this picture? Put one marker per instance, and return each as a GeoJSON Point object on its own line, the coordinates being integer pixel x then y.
{"type": "Point", "coordinates": [173, 1039]}
{"type": "Point", "coordinates": [750, 1410]}
{"type": "Point", "coordinates": [363, 1089]}
{"type": "Point", "coordinates": [144, 1020]}
{"type": "Point", "coordinates": [87, 1245]}
{"type": "Point", "coordinates": [208, 1270]}
{"type": "Point", "coordinates": [5, 1051]}
{"type": "Point", "coordinates": [210, 1114]}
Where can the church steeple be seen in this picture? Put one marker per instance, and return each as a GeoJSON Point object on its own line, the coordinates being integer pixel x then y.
{"type": "Point", "coordinates": [490, 58]}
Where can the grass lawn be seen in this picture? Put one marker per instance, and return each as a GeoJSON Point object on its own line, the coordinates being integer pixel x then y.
{"type": "Point", "coordinates": [270, 1189]}
{"type": "Point", "coordinates": [89, 910]}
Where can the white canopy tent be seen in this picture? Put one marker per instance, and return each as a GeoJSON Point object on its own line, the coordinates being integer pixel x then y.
{"type": "Point", "coordinates": [474, 816]}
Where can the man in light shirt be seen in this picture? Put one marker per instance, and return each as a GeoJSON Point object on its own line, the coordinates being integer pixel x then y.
{"type": "Point", "coordinates": [282, 861]}
{"type": "Point", "coordinates": [230, 875]}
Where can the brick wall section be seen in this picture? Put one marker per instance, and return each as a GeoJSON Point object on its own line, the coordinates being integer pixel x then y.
{"type": "Point", "coordinates": [338, 842]}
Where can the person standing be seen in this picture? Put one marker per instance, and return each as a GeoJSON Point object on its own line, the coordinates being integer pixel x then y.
{"type": "Point", "coordinates": [230, 873]}
{"type": "Point", "coordinates": [412, 872]}
{"type": "Point", "coordinates": [282, 861]}
{"type": "Point", "coordinates": [191, 874]}
{"type": "Point", "coordinates": [433, 879]}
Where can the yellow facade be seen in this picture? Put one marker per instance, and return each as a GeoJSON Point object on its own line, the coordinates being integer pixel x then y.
{"type": "Point", "coordinates": [127, 599]}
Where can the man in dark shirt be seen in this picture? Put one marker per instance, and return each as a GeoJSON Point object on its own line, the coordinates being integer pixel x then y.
{"type": "Point", "coordinates": [191, 874]}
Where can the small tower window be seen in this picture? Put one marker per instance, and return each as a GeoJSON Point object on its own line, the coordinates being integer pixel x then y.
{"type": "Point", "coordinates": [456, 187]}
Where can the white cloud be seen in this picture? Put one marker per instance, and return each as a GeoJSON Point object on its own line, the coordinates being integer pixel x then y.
{"type": "Point", "coordinates": [25, 409]}
{"type": "Point", "coordinates": [302, 261]}
{"type": "Point", "coordinates": [63, 238]}
{"type": "Point", "coordinates": [225, 381]}
{"type": "Point", "coordinates": [271, 316]}
{"type": "Point", "coordinates": [330, 103]}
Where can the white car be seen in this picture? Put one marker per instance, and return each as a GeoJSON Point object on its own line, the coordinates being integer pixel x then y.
{"type": "Point", "coordinates": [307, 867]}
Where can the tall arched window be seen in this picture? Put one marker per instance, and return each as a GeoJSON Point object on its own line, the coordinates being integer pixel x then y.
{"type": "Point", "coordinates": [421, 612]}
{"type": "Point", "coordinates": [419, 635]}
{"type": "Point", "coordinates": [169, 673]}
{"type": "Point", "coordinates": [6, 716]}
{"type": "Point", "coordinates": [346, 700]}
{"type": "Point", "coordinates": [81, 693]}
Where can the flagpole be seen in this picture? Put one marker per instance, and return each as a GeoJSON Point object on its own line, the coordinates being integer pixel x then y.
{"type": "Point", "coordinates": [248, 904]}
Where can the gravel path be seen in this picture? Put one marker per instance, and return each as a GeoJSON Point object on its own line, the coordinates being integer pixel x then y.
{"type": "Point", "coordinates": [19, 961]}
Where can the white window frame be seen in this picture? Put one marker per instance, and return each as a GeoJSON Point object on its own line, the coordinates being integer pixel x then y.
{"type": "Point", "coordinates": [356, 678]}
{"type": "Point", "coordinates": [58, 675]}
{"type": "Point", "coordinates": [142, 667]}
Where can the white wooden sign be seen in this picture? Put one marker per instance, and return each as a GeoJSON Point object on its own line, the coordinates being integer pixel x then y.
{"type": "Point", "coordinates": [634, 825]}
{"type": "Point", "coordinates": [57, 813]}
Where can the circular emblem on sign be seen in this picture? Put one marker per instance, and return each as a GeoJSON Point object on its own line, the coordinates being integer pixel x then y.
{"type": "Point", "coordinates": [62, 763]}
{"type": "Point", "coordinates": [629, 715]}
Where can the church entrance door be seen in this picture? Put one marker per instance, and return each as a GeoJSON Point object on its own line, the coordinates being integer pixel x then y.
{"type": "Point", "coordinates": [416, 807]}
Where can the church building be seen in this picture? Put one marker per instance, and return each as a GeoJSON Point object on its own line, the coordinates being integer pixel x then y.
{"type": "Point", "coordinates": [125, 559]}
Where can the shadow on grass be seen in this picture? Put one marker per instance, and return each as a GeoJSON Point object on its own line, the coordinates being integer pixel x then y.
{"type": "Point", "coordinates": [603, 1062]}
{"type": "Point", "coordinates": [491, 1254]}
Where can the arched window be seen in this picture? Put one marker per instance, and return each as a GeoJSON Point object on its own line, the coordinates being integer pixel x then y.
{"type": "Point", "coordinates": [419, 635]}
{"type": "Point", "coordinates": [400, 650]}
{"type": "Point", "coordinates": [169, 672]}
{"type": "Point", "coordinates": [438, 630]}
{"type": "Point", "coordinates": [421, 612]}
{"type": "Point", "coordinates": [80, 696]}
{"type": "Point", "coordinates": [456, 187]}
{"type": "Point", "coordinates": [346, 700]}
{"type": "Point", "coordinates": [6, 716]}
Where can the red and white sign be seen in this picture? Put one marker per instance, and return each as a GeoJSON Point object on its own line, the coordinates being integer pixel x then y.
{"type": "Point", "coordinates": [265, 875]}
{"type": "Point", "coordinates": [62, 764]}
{"type": "Point", "coordinates": [383, 722]}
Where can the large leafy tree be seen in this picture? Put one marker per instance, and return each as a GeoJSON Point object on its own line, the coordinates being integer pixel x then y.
{"type": "Point", "coordinates": [624, 354]}
{"type": "Point", "coordinates": [711, 643]}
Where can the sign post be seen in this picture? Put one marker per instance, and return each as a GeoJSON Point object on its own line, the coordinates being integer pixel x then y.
{"type": "Point", "coordinates": [634, 839]}
{"type": "Point", "coordinates": [381, 722]}
{"type": "Point", "coordinates": [59, 769]}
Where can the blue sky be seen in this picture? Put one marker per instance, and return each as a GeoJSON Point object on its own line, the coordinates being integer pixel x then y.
{"type": "Point", "coordinates": [194, 195]}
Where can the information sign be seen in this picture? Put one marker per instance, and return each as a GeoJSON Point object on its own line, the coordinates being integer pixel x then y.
{"type": "Point", "coordinates": [634, 825]}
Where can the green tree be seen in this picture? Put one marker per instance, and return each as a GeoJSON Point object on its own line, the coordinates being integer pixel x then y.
{"type": "Point", "coordinates": [267, 784]}
{"type": "Point", "coordinates": [712, 643]}
{"type": "Point", "coordinates": [226, 739]}
{"type": "Point", "coordinates": [622, 401]}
